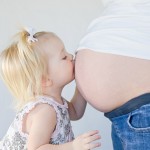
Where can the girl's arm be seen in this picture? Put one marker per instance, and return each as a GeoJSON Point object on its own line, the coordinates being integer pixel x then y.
{"type": "Point", "coordinates": [42, 127]}
{"type": "Point", "coordinates": [76, 106]}
{"type": "Point", "coordinates": [82, 142]}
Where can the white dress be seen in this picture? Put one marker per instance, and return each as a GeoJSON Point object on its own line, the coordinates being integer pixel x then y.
{"type": "Point", "coordinates": [15, 139]}
{"type": "Point", "coordinates": [123, 28]}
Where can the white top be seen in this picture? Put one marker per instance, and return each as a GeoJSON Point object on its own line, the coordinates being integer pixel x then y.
{"type": "Point", "coordinates": [123, 28]}
{"type": "Point", "coordinates": [16, 139]}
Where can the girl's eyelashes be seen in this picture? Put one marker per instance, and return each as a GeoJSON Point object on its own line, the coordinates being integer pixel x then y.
{"type": "Point", "coordinates": [65, 57]}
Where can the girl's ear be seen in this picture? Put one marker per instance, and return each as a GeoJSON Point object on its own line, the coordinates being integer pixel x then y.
{"type": "Point", "coordinates": [46, 82]}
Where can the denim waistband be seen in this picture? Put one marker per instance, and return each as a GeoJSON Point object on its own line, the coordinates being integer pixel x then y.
{"type": "Point", "coordinates": [130, 106]}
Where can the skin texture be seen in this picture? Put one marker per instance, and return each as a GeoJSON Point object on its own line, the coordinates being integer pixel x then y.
{"type": "Point", "coordinates": [107, 81]}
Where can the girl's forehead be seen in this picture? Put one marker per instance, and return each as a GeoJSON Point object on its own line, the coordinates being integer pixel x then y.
{"type": "Point", "coordinates": [53, 46]}
{"type": "Point", "coordinates": [50, 40]}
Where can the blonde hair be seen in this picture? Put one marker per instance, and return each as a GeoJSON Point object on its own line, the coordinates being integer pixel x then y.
{"type": "Point", "coordinates": [22, 66]}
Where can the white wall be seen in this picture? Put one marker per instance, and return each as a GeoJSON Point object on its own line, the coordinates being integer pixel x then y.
{"type": "Point", "coordinates": [69, 20]}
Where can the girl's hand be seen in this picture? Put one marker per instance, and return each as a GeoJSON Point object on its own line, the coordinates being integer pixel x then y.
{"type": "Point", "coordinates": [84, 141]}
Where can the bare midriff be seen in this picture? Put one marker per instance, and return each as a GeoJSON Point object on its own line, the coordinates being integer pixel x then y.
{"type": "Point", "coordinates": [107, 81]}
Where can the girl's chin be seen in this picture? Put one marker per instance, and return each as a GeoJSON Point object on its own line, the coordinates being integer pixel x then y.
{"type": "Point", "coordinates": [71, 79]}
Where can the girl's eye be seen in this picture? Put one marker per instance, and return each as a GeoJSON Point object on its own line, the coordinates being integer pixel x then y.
{"type": "Point", "coordinates": [65, 57]}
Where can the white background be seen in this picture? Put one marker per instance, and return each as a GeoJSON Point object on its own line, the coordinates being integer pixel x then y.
{"type": "Point", "coordinates": [69, 20]}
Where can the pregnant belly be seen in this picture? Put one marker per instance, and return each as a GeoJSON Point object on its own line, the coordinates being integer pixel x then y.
{"type": "Point", "coordinates": [107, 81]}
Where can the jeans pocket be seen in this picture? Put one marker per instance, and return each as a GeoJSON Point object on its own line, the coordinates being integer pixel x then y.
{"type": "Point", "coordinates": [139, 120]}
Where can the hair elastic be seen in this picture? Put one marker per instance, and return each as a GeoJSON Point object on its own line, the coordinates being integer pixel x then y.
{"type": "Point", "coordinates": [31, 37]}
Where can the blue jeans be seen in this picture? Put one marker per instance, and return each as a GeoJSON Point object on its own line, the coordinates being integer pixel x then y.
{"type": "Point", "coordinates": [131, 129]}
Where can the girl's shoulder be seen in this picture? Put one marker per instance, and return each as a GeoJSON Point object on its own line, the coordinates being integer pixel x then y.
{"type": "Point", "coordinates": [42, 108]}
{"type": "Point", "coordinates": [37, 111]}
{"type": "Point", "coordinates": [38, 104]}
{"type": "Point", "coordinates": [43, 111]}
{"type": "Point", "coordinates": [46, 107]}
{"type": "Point", "coordinates": [43, 105]}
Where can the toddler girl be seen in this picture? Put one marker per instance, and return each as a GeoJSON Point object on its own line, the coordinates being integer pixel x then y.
{"type": "Point", "coordinates": [36, 67]}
